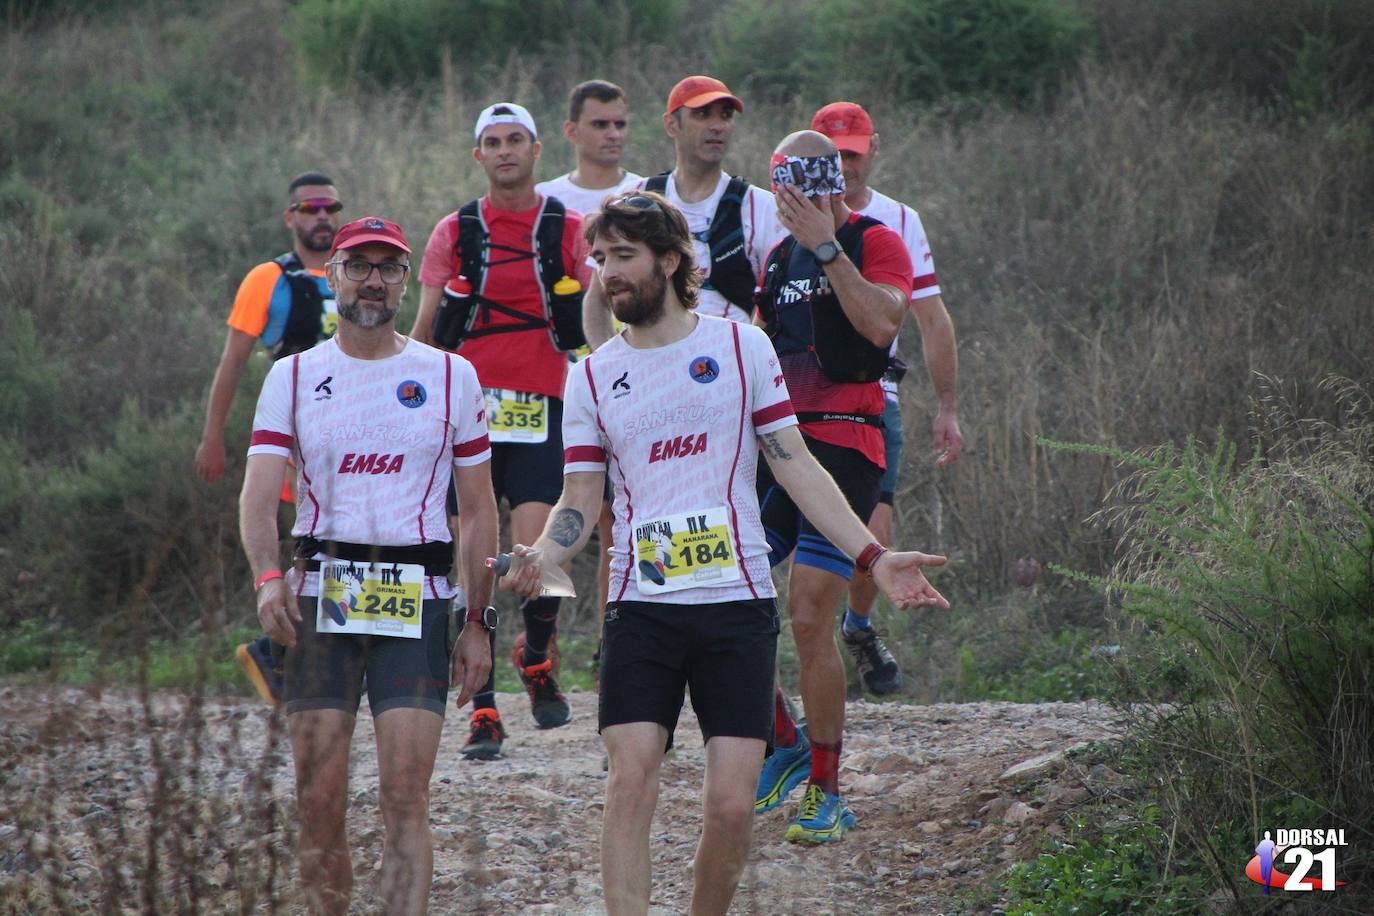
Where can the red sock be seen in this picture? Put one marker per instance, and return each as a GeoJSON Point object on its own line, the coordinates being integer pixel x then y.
{"type": "Point", "coordinates": [784, 729]}
{"type": "Point", "coordinates": [825, 766]}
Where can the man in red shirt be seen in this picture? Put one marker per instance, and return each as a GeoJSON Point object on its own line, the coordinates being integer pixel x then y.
{"type": "Point", "coordinates": [832, 297]}
{"type": "Point", "coordinates": [510, 339]}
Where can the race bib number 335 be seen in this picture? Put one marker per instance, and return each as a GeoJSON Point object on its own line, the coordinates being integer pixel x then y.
{"type": "Point", "coordinates": [381, 599]}
{"type": "Point", "coordinates": [516, 416]}
{"type": "Point", "coordinates": [687, 550]}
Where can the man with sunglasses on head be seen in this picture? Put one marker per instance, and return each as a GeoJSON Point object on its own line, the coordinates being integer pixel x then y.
{"type": "Point", "coordinates": [380, 426]}
{"type": "Point", "coordinates": [501, 282]}
{"type": "Point", "coordinates": [286, 305]}
{"type": "Point", "coordinates": [851, 130]}
{"type": "Point", "coordinates": [831, 300]}
{"type": "Point", "coordinates": [675, 410]}
{"type": "Point", "coordinates": [733, 224]}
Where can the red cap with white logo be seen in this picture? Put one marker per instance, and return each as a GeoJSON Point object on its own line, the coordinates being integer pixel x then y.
{"type": "Point", "coordinates": [369, 229]}
{"type": "Point", "coordinates": [847, 124]}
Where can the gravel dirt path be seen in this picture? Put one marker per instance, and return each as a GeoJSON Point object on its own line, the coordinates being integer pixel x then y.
{"type": "Point", "coordinates": [114, 802]}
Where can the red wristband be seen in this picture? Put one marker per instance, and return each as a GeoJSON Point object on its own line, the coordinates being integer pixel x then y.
{"type": "Point", "coordinates": [868, 556]}
{"type": "Point", "coordinates": [266, 577]}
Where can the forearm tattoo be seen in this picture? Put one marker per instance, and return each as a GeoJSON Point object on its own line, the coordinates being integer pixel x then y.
{"type": "Point", "coordinates": [774, 448]}
{"type": "Point", "coordinates": [566, 527]}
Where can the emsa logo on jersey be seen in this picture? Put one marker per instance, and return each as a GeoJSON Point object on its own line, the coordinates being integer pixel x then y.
{"type": "Point", "coordinates": [678, 447]}
{"type": "Point", "coordinates": [1294, 847]}
{"type": "Point", "coordinates": [372, 463]}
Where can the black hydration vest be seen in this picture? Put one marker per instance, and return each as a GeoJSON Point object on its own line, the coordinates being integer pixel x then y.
{"type": "Point", "coordinates": [457, 316]}
{"type": "Point", "coordinates": [305, 320]}
{"type": "Point", "coordinates": [730, 272]}
{"type": "Point", "coordinates": [843, 353]}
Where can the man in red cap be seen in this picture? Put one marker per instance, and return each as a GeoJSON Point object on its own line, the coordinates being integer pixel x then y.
{"type": "Point", "coordinates": [379, 426]}
{"type": "Point", "coordinates": [851, 130]}
{"type": "Point", "coordinates": [733, 224]}
{"type": "Point", "coordinates": [504, 276]}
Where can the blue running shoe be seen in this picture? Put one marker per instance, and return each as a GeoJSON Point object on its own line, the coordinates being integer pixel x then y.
{"type": "Point", "coordinates": [782, 772]}
{"type": "Point", "coordinates": [263, 669]}
{"type": "Point", "coordinates": [822, 818]}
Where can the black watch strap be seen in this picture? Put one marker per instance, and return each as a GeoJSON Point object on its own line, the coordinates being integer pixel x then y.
{"type": "Point", "coordinates": [827, 252]}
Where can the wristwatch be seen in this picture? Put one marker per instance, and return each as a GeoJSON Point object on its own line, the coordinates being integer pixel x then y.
{"type": "Point", "coordinates": [826, 252]}
{"type": "Point", "coordinates": [486, 616]}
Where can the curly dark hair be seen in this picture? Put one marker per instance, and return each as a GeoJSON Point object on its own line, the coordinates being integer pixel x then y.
{"type": "Point", "coordinates": [643, 216]}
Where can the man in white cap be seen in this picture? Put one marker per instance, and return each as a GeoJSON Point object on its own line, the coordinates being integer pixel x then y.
{"type": "Point", "coordinates": [851, 130]}
{"type": "Point", "coordinates": [501, 279]}
{"type": "Point", "coordinates": [733, 224]}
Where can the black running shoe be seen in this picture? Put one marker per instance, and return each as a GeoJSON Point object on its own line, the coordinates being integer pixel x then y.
{"type": "Point", "coordinates": [878, 671]}
{"type": "Point", "coordinates": [484, 743]}
{"type": "Point", "coordinates": [547, 703]}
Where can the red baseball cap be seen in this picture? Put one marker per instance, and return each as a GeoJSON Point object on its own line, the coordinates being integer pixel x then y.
{"type": "Point", "coordinates": [370, 229]}
{"type": "Point", "coordinates": [700, 91]}
{"type": "Point", "coordinates": [847, 124]}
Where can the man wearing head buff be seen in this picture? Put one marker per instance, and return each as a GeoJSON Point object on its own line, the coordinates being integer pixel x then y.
{"type": "Point", "coordinates": [831, 299]}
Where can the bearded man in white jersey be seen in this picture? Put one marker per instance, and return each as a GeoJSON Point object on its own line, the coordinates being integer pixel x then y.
{"type": "Point", "coordinates": [675, 409]}
{"type": "Point", "coordinates": [851, 130]}
{"type": "Point", "coordinates": [378, 425]}
{"type": "Point", "coordinates": [733, 224]}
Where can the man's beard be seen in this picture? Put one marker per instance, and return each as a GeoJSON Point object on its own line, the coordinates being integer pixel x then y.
{"type": "Point", "coordinates": [320, 238]}
{"type": "Point", "coordinates": [375, 315]}
{"type": "Point", "coordinates": [644, 304]}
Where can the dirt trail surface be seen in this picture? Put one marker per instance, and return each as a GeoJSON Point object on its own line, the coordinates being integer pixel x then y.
{"type": "Point", "coordinates": [169, 804]}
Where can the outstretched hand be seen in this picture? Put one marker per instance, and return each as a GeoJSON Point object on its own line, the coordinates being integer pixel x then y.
{"type": "Point", "coordinates": [900, 577]}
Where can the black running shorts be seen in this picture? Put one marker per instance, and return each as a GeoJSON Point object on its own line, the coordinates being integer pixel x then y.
{"type": "Point", "coordinates": [325, 670]}
{"type": "Point", "coordinates": [723, 653]}
{"type": "Point", "coordinates": [787, 529]}
{"type": "Point", "coordinates": [525, 472]}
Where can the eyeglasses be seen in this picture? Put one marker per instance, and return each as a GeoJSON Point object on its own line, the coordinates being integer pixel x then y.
{"type": "Point", "coordinates": [360, 269]}
{"type": "Point", "coordinates": [313, 205]}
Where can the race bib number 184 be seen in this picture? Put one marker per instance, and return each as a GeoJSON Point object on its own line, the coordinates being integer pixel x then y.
{"type": "Point", "coordinates": [370, 599]}
{"type": "Point", "coordinates": [687, 550]}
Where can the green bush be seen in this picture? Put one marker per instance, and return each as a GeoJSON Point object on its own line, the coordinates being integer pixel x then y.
{"type": "Point", "coordinates": [410, 42]}
{"type": "Point", "coordinates": [928, 51]}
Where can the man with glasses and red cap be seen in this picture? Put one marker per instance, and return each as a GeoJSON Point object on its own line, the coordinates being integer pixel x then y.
{"type": "Point", "coordinates": [286, 305]}
{"type": "Point", "coordinates": [851, 130]}
{"type": "Point", "coordinates": [379, 426]}
{"type": "Point", "coordinates": [501, 282]}
{"type": "Point", "coordinates": [733, 223]}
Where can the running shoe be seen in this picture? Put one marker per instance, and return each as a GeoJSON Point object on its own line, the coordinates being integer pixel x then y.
{"type": "Point", "coordinates": [878, 671]}
{"type": "Point", "coordinates": [484, 742]}
{"type": "Point", "coordinates": [264, 672]}
{"type": "Point", "coordinates": [782, 771]}
{"type": "Point", "coordinates": [822, 818]}
{"type": "Point", "coordinates": [547, 703]}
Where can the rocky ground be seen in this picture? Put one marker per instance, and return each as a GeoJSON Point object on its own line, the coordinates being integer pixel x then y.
{"type": "Point", "coordinates": [119, 803]}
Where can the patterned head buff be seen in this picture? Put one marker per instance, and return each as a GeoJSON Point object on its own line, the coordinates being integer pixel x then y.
{"type": "Point", "coordinates": [816, 176]}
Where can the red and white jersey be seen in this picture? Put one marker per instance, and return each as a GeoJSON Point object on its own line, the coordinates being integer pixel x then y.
{"type": "Point", "coordinates": [374, 440]}
{"type": "Point", "coordinates": [906, 223]}
{"type": "Point", "coordinates": [677, 430]}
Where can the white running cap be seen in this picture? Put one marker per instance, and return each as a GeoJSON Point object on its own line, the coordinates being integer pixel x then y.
{"type": "Point", "coordinates": [504, 113]}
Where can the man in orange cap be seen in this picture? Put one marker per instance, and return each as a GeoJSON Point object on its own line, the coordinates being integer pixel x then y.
{"type": "Point", "coordinates": [733, 224]}
{"type": "Point", "coordinates": [851, 130]}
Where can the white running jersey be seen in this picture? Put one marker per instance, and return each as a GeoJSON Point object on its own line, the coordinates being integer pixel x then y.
{"type": "Point", "coordinates": [906, 223]}
{"type": "Point", "coordinates": [678, 427]}
{"type": "Point", "coordinates": [374, 440]}
{"type": "Point", "coordinates": [584, 200]}
{"type": "Point", "coordinates": [759, 220]}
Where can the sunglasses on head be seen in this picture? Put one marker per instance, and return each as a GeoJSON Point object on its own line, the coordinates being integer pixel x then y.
{"type": "Point", "coordinates": [640, 202]}
{"type": "Point", "coordinates": [314, 205]}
